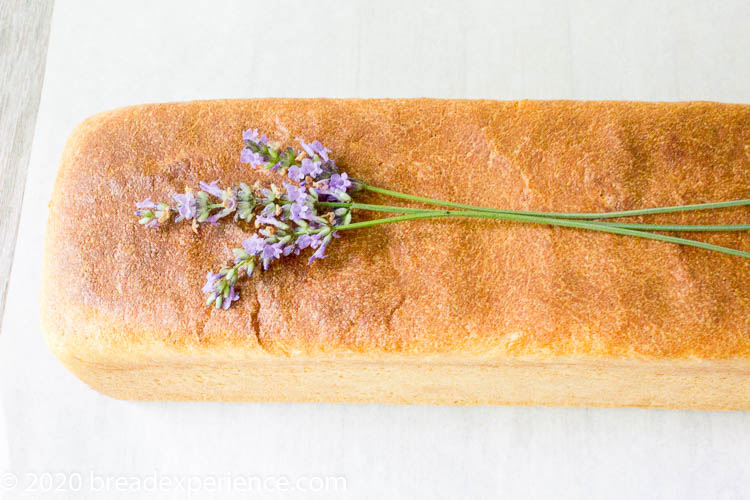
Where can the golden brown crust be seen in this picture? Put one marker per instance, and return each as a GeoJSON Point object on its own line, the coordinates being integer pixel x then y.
{"type": "Point", "coordinates": [458, 289]}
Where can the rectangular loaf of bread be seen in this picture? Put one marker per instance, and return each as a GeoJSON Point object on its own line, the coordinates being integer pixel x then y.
{"type": "Point", "coordinates": [434, 311]}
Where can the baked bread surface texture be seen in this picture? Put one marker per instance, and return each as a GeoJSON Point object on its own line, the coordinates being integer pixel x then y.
{"type": "Point", "coordinates": [446, 311]}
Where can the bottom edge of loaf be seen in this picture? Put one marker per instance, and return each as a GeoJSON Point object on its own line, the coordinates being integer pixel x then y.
{"type": "Point", "coordinates": [602, 384]}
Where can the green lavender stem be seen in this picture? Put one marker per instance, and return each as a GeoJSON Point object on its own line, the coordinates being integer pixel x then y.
{"type": "Point", "coordinates": [643, 227]}
{"type": "Point", "coordinates": [560, 215]}
{"type": "Point", "coordinates": [680, 227]}
{"type": "Point", "coordinates": [594, 226]}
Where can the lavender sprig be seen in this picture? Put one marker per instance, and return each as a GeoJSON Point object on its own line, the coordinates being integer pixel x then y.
{"type": "Point", "coordinates": [307, 168]}
{"type": "Point", "coordinates": [199, 207]}
{"type": "Point", "coordinates": [288, 220]}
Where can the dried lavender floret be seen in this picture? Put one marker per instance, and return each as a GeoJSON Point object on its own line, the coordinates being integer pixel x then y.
{"type": "Point", "coordinates": [151, 214]}
{"type": "Point", "coordinates": [187, 205]}
{"type": "Point", "coordinates": [228, 199]}
{"type": "Point", "coordinates": [315, 148]}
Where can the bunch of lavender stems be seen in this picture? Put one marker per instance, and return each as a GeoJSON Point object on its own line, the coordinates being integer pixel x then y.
{"type": "Point", "coordinates": [311, 210]}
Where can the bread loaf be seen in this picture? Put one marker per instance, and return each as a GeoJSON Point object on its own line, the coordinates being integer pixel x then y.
{"type": "Point", "coordinates": [436, 311]}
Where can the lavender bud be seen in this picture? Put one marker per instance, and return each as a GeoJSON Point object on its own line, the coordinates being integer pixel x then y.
{"type": "Point", "coordinates": [151, 214]}
{"type": "Point", "coordinates": [245, 203]}
{"type": "Point", "coordinates": [240, 254]}
{"type": "Point", "coordinates": [202, 207]}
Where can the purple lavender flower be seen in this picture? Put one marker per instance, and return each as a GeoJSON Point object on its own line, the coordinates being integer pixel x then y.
{"type": "Point", "coordinates": [230, 295]}
{"type": "Point", "coordinates": [306, 147]}
{"type": "Point", "coordinates": [253, 158]}
{"type": "Point", "coordinates": [339, 182]}
{"type": "Point", "coordinates": [319, 254]}
{"type": "Point", "coordinates": [308, 241]}
{"type": "Point", "coordinates": [147, 204]}
{"type": "Point", "coordinates": [295, 173]}
{"type": "Point", "coordinates": [214, 219]}
{"type": "Point", "coordinates": [246, 156]}
{"type": "Point", "coordinates": [311, 168]}
{"type": "Point", "coordinates": [301, 211]}
{"type": "Point", "coordinates": [271, 252]}
{"type": "Point", "coordinates": [187, 205]}
{"type": "Point", "coordinates": [321, 150]}
{"type": "Point", "coordinates": [294, 193]}
{"type": "Point", "coordinates": [254, 244]}
{"type": "Point", "coordinates": [212, 188]}
{"type": "Point", "coordinates": [315, 148]}
{"type": "Point", "coordinates": [211, 280]}
{"type": "Point", "coordinates": [327, 194]}
{"type": "Point", "coordinates": [334, 188]}
{"type": "Point", "coordinates": [227, 196]}
{"type": "Point", "coordinates": [272, 221]}
{"type": "Point", "coordinates": [250, 134]}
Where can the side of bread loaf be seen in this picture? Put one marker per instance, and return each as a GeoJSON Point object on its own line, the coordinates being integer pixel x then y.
{"type": "Point", "coordinates": [448, 311]}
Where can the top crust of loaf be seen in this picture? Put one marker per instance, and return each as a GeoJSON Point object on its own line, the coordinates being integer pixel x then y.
{"type": "Point", "coordinates": [443, 289]}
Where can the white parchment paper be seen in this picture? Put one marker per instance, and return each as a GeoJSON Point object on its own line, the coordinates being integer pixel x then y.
{"type": "Point", "coordinates": [59, 439]}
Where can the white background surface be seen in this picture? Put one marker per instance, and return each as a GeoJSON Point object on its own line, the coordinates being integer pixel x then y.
{"type": "Point", "coordinates": [108, 54]}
